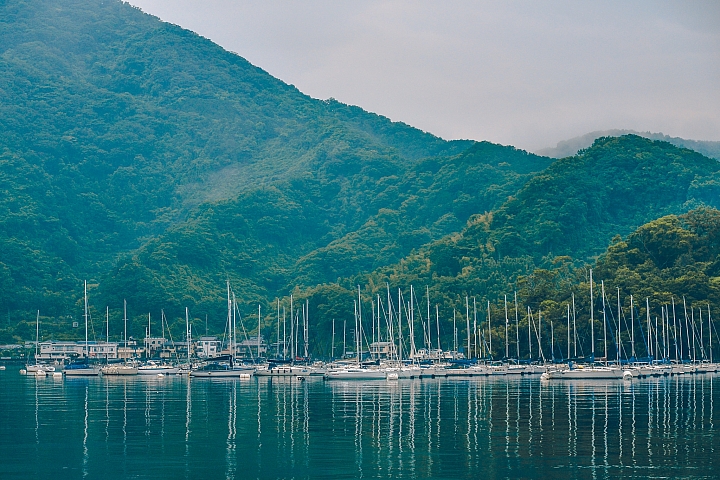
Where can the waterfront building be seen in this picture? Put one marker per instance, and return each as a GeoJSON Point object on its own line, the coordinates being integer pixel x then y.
{"type": "Point", "coordinates": [208, 347]}
{"type": "Point", "coordinates": [52, 351]}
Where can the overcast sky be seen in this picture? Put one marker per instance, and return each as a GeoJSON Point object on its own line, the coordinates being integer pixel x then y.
{"type": "Point", "coordinates": [527, 74]}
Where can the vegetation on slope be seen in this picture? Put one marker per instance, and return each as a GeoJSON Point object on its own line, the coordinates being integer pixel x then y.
{"type": "Point", "coordinates": [114, 126]}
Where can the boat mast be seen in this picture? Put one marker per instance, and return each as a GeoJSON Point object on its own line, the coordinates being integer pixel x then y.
{"type": "Point", "coordinates": [702, 343]}
{"type": "Point", "coordinates": [507, 346]}
{"type": "Point", "coordinates": [618, 341]}
{"type": "Point", "coordinates": [489, 332]}
{"type": "Point", "coordinates": [710, 334]}
{"type": "Point", "coordinates": [307, 325]}
{"type": "Point", "coordinates": [574, 327]}
{"type": "Point", "coordinates": [374, 322]}
{"type": "Point", "coordinates": [552, 342]}
{"type": "Point", "coordinates": [657, 339]}
{"type": "Point", "coordinates": [568, 329]}
{"type": "Point", "coordinates": [592, 320]}
{"type": "Point", "coordinates": [229, 318]}
{"type": "Point", "coordinates": [529, 335]}
{"type": "Point", "coordinates": [687, 328]}
{"type": "Point", "coordinates": [187, 333]}
{"type": "Point", "coordinates": [677, 333]}
{"type": "Point", "coordinates": [125, 320]}
{"type": "Point", "coordinates": [632, 329]}
{"type": "Point", "coordinates": [412, 325]}
{"type": "Point", "coordinates": [356, 332]}
{"type": "Point", "coordinates": [454, 333]}
{"type": "Point", "coordinates": [37, 334]}
{"type": "Point", "coordinates": [517, 329]}
{"type": "Point", "coordinates": [234, 327]}
{"type": "Point", "coordinates": [542, 354]}
{"type": "Point", "coordinates": [87, 351]}
{"type": "Point", "coordinates": [284, 335]}
{"type": "Point", "coordinates": [359, 319]}
{"type": "Point", "coordinates": [649, 336]}
{"type": "Point", "coordinates": [332, 347]}
{"type": "Point", "coordinates": [602, 285]}
{"type": "Point", "coordinates": [475, 329]}
{"type": "Point", "coordinates": [292, 331]}
{"type": "Point", "coordinates": [258, 337]}
{"type": "Point", "coordinates": [437, 323]}
{"type": "Point", "coordinates": [467, 319]}
{"type": "Point", "coordinates": [692, 329]}
{"type": "Point", "coordinates": [379, 324]}
{"type": "Point", "coordinates": [429, 339]}
{"type": "Point", "coordinates": [399, 317]}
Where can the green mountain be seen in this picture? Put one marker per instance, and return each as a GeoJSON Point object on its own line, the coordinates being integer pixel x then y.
{"type": "Point", "coordinates": [114, 126]}
{"type": "Point", "coordinates": [316, 229]}
{"type": "Point", "coordinates": [578, 204]}
{"type": "Point", "coordinates": [153, 163]}
{"type": "Point", "coordinates": [543, 238]}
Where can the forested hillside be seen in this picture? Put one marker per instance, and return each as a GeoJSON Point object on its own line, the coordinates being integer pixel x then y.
{"type": "Point", "coordinates": [151, 162]}
{"type": "Point", "coordinates": [316, 229]}
{"type": "Point", "coordinates": [115, 125]}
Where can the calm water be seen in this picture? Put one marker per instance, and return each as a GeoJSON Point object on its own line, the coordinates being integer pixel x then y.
{"type": "Point", "coordinates": [273, 428]}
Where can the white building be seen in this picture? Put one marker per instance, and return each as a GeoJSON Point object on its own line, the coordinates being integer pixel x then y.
{"type": "Point", "coordinates": [208, 347]}
{"type": "Point", "coordinates": [61, 351]}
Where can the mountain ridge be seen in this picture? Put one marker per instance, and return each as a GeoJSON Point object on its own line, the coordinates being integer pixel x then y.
{"type": "Point", "coordinates": [568, 148]}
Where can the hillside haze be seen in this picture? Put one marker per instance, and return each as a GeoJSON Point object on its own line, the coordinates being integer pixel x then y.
{"type": "Point", "coordinates": [568, 148]}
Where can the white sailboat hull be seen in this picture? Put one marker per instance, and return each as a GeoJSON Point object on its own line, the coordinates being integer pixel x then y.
{"type": "Point", "coordinates": [593, 373]}
{"type": "Point", "coordinates": [356, 374]}
{"type": "Point", "coordinates": [83, 372]}
{"type": "Point", "coordinates": [222, 374]}
{"type": "Point", "coordinates": [119, 370]}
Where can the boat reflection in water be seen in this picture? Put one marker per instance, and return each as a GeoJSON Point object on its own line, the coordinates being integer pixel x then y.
{"type": "Point", "coordinates": [484, 427]}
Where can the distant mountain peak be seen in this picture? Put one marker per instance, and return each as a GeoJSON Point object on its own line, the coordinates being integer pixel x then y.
{"type": "Point", "coordinates": [567, 148]}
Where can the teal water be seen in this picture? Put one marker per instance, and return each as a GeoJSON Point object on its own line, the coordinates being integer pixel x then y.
{"type": "Point", "coordinates": [178, 428]}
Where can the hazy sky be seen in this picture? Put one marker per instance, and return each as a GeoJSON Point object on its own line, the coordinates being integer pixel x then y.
{"type": "Point", "coordinates": [526, 73]}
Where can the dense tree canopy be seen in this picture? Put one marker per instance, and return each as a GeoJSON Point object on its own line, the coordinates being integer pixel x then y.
{"type": "Point", "coordinates": [158, 166]}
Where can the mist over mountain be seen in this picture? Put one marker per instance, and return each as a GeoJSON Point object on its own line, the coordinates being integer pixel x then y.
{"type": "Point", "coordinates": [567, 148]}
{"type": "Point", "coordinates": [156, 165]}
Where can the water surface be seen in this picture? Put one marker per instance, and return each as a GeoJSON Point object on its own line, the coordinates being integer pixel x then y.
{"type": "Point", "coordinates": [177, 427]}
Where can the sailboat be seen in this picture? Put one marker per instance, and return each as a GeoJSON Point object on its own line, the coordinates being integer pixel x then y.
{"type": "Point", "coordinates": [37, 368]}
{"type": "Point", "coordinates": [593, 372]}
{"type": "Point", "coordinates": [124, 368]}
{"type": "Point", "coordinates": [225, 366]}
{"type": "Point", "coordinates": [83, 368]}
{"type": "Point", "coordinates": [358, 371]}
